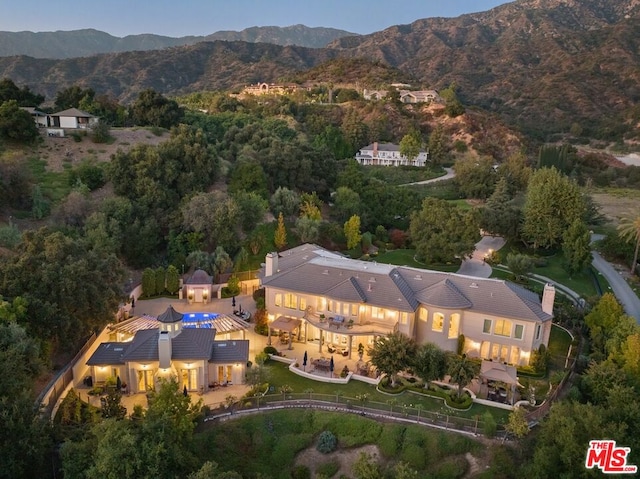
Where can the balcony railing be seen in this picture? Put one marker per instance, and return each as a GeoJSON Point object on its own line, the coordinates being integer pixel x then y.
{"type": "Point", "coordinates": [354, 327]}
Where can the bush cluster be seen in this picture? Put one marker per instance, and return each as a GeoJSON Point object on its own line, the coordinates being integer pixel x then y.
{"type": "Point", "coordinates": [327, 442]}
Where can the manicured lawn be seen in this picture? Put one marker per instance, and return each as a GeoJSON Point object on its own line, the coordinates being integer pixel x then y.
{"type": "Point", "coordinates": [581, 283]}
{"type": "Point", "coordinates": [403, 175]}
{"type": "Point", "coordinates": [405, 257]}
{"type": "Point", "coordinates": [279, 375]}
{"type": "Point", "coordinates": [559, 342]}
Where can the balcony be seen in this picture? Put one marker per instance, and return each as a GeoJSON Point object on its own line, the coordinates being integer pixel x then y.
{"type": "Point", "coordinates": [338, 324]}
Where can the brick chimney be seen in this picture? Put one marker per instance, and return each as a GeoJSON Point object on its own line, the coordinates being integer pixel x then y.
{"type": "Point", "coordinates": [375, 149]}
{"type": "Point", "coordinates": [548, 297]}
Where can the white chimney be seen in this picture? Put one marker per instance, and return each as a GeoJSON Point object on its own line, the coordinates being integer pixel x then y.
{"type": "Point", "coordinates": [548, 296]}
{"type": "Point", "coordinates": [164, 349]}
{"type": "Point", "coordinates": [271, 264]}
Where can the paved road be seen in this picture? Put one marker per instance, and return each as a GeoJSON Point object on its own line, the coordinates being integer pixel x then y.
{"type": "Point", "coordinates": [450, 174]}
{"type": "Point", "coordinates": [476, 266]}
{"type": "Point", "coordinates": [626, 296]}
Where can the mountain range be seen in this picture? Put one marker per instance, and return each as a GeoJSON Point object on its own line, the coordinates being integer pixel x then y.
{"type": "Point", "coordinates": [544, 66]}
{"type": "Point", "coordinates": [87, 42]}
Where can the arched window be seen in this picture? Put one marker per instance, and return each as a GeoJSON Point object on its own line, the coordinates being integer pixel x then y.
{"type": "Point", "coordinates": [438, 322]}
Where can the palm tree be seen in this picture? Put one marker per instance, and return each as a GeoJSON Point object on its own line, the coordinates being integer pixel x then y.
{"type": "Point", "coordinates": [629, 229]}
{"type": "Point", "coordinates": [462, 370]}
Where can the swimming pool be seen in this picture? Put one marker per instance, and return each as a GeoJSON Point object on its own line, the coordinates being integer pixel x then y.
{"type": "Point", "coordinates": [199, 320]}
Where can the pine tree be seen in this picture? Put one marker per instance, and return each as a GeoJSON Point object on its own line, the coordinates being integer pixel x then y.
{"type": "Point", "coordinates": [280, 238]}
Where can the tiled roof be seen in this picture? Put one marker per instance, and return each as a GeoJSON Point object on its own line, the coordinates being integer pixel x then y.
{"type": "Point", "coordinates": [444, 294]}
{"type": "Point", "coordinates": [170, 316]}
{"type": "Point", "coordinates": [192, 344]}
{"type": "Point", "coordinates": [74, 112]}
{"type": "Point", "coordinates": [108, 353]}
{"type": "Point", "coordinates": [199, 277]}
{"type": "Point", "coordinates": [312, 270]}
{"type": "Point", "coordinates": [143, 347]}
{"type": "Point", "coordinates": [230, 351]}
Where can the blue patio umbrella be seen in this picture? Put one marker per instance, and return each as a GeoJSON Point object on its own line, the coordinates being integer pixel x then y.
{"type": "Point", "coordinates": [331, 365]}
{"type": "Point", "coordinates": [304, 360]}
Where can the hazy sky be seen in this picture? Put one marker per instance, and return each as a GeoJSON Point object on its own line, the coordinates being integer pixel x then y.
{"type": "Point", "coordinates": [200, 17]}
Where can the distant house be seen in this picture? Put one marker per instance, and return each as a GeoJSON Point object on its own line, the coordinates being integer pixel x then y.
{"type": "Point", "coordinates": [270, 89]}
{"type": "Point", "coordinates": [388, 154]}
{"type": "Point", "coordinates": [73, 119]}
{"type": "Point", "coordinates": [41, 118]}
{"type": "Point", "coordinates": [406, 96]}
{"type": "Point", "coordinates": [420, 96]}
{"type": "Point", "coordinates": [171, 345]}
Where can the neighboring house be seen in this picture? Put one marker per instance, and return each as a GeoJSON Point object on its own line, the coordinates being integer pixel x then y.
{"type": "Point", "coordinates": [388, 154]}
{"type": "Point", "coordinates": [406, 96]}
{"type": "Point", "coordinates": [198, 287]}
{"type": "Point", "coordinates": [270, 89]}
{"type": "Point", "coordinates": [72, 119]}
{"type": "Point", "coordinates": [171, 345]}
{"type": "Point", "coordinates": [420, 96]}
{"type": "Point", "coordinates": [344, 302]}
{"type": "Point", "coordinates": [41, 118]}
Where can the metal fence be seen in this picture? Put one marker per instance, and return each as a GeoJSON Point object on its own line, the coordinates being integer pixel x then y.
{"type": "Point", "coordinates": [445, 418]}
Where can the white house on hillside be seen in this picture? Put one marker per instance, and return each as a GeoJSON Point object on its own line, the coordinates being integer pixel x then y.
{"type": "Point", "coordinates": [388, 154]}
{"type": "Point", "coordinates": [72, 119]}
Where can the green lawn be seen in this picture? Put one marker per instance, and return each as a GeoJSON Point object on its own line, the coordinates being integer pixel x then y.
{"type": "Point", "coordinates": [559, 343]}
{"type": "Point", "coordinates": [279, 375]}
{"type": "Point", "coordinates": [403, 174]}
{"type": "Point", "coordinates": [405, 257]}
{"type": "Point", "coordinates": [55, 186]}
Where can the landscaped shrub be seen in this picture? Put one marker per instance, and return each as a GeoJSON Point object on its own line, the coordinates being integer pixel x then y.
{"type": "Point", "coordinates": [329, 469]}
{"type": "Point", "coordinates": [464, 402]}
{"type": "Point", "coordinates": [300, 472]}
{"type": "Point", "coordinates": [327, 442]}
{"type": "Point", "coordinates": [451, 467]}
{"type": "Point", "coordinates": [489, 425]}
{"type": "Point", "coordinates": [270, 350]}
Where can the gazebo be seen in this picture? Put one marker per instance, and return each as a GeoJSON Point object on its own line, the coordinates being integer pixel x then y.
{"type": "Point", "coordinates": [498, 372]}
{"type": "Point", "coordinates": [282, 323]}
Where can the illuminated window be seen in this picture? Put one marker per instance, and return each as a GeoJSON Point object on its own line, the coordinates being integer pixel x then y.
{"type": "Point", "coordinates": [377, 313]}
{"type": "Point", "coordinates": [503, 328]}
{"type": "Point", "coordinates": [438, 322]}
{"type": "Point", "coordinates": [321, 304]}
{"type": "Point", "coordinates": [424, 314]}
{"type": "Point", "coordinates": [354, 310]}
{"type": "Point", "coordinates": [519, 331]}
{"type": "Point", "coordinates": [278, 299]}
{"type": "Point", "coordinates": [290, 301]}
{"type": "Point", "coordinates": [404, 318]}
{"type": "Point", "coordinates": [487, 326]}
{"type": "Point", "coordinates": [303, 303]}
{"type": "Point", "coordinates": [454, 326]}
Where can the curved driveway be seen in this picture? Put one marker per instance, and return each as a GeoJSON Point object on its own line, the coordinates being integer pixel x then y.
{"type": "Point", "coordinates": [627, 297]}
{"type": "Point", "coordinates": [450, 174]}
{"type": "Point", "coordinates": [476, 265]}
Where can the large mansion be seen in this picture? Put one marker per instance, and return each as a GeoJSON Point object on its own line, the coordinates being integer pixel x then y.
{"type": "Point", "coordinates": [323, 298]}
{"type": "Point", "coordinates": [388, 154]}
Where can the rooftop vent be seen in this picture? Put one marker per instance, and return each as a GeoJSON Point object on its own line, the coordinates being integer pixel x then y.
{"type": "Point", "coordinates": [473, 285]}
{"type": "Point", "coordinates": [418, 277]}
{"type": "Point", "coordinates": [326, 271]}
{"type": "Point", "coordinates": [372, 280]}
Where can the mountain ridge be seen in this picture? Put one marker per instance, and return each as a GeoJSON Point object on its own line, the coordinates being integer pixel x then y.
{"type": "Point", "coordinates": [87, 42]}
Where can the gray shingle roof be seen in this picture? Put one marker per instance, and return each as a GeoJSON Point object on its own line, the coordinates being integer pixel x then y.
{"type": "Point", "coordinates": [170, 316]}
{"type": "Point", "coordinates": [199, 277]}
{"type": "Point", "coordinates": [74, 112]}
{"type": "Point", "coordinates": [143, 346]}
{"type": "Point", "coordinates": [108, 353]}
{"type": "Point", "coordinates": [312, 270]}
{"type": "Point", "coordinates": [192, 344]}
{"type": "Point", "coordinates": [230, 351]}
